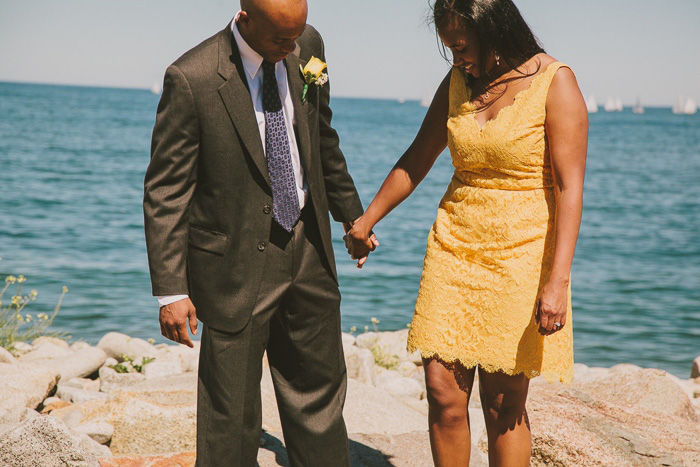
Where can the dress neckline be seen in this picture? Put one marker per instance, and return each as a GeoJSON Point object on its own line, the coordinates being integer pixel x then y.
{"type": "Point", "coordinates": [516, 98]}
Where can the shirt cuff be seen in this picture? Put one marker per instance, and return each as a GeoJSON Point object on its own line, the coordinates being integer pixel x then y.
{"type": "Point", "coordinates": [168, 299]}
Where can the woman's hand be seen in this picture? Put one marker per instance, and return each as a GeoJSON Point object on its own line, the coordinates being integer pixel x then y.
{"type": "Point", "coordinates": [551, 307]}
{"type": "Point", "coordinates": [360, 241]}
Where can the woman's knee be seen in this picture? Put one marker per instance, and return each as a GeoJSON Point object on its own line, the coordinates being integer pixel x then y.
{"type": "Point", "coordinates": [504, 402]}
{"type": "Point", "coordinates": [447, 401]}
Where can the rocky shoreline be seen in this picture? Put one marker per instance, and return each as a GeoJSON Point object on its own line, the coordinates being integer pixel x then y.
{"type": "Point", "coordinates": [127, 402]}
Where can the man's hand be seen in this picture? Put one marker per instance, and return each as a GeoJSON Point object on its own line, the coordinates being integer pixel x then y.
{"type": "Point", "coordinates": [173, 321]}
{"type": "Point", "coordinates": [358, 242]}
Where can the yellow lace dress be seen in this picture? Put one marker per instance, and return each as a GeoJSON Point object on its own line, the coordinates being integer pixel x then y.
{"type": "Point", "coordinates": [491, 248]}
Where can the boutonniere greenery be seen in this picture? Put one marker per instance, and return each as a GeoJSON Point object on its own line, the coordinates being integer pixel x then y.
{"type": "Point", "coordinates": [313, 73]}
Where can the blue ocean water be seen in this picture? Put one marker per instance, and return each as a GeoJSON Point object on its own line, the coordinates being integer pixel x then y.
{"type": "Point", "coordinates": [72, 161]}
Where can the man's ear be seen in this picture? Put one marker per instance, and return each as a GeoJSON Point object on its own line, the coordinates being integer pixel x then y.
{"type": "Point", "coordinates": [244, 19]}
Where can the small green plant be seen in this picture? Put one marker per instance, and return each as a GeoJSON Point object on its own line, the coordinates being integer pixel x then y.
{"type": "Point", "coordinates": [384, 359]}
{"type": "Point", "coordinates": [129, 363]}
{"type": "Point", "coordinates": [16, 325]}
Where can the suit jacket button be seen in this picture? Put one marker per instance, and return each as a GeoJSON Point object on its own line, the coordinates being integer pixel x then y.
{"type": "Point", "coordinates": [267, 209]}
{"type": "Point", "coordinates": [261, 246]}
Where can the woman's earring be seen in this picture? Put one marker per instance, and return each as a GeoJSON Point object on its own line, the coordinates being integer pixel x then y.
{"type": "Point", "coordinates": [498, 60]}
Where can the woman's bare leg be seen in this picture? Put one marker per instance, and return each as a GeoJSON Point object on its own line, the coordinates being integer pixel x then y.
{"type": "Point", "coordinates": [503, 399]}
{"type": "Point", "coordinates": [449, 387]}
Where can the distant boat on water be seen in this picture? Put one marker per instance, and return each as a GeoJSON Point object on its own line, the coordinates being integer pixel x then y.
{"type": "Point", "coordinates": [401, 100]}
{"type": "Point", "coordinates": [638, 108]}
{"type": "Point", "coordinates": [156, 88]}
{"type": "Point", "coordinates": [613, 105]}
{"type": "Point", "coordinates": [425, 102]}
{"type": "Point", "coordinates": [685, 106]}
{"type": "Point", "coordinates": [591, 104]}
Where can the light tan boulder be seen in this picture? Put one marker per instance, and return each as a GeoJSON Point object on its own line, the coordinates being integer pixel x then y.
{"type": "Point", "coordinates": [20, 348]}
{"type": "Point", "coordinates": [187, 358]}
{"type": "Point", "coordinates": [371, 410]}
{"type": "Point", "coordinates": [39, 341]}
{"type": "Point", "coordinates": [159, 369]}
{"type": "Point", "coordinates": [78, 395]}
{"type": "Point", "coordinates": [23, 386]}
{"type": "Point", "coordinates": [117, 345]}
{"type": "Point", "coordinates": [360, 364]}
{"type": "Point", "coordinates": [83, 383]}
{"type": "Point", "coordinates": [46, 350]}
{"type": "Point", "coordinates": [403, 388]}
{"type": "Point", "coordinates": [6, 356]}
{"type": "Point", "coordinates": [100, 432]}
{"type": "Point", "coordinates": [76, 364]}
{"type": "Point", "coordinates": [111, 381]}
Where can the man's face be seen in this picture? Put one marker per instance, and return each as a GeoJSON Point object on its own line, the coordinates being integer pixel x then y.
{"type": "Point", "coordinates": [273, 34]}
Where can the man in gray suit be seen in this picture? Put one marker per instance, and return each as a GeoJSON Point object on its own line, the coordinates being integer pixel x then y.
{"type": "Point", "coordinates": [242, 176]}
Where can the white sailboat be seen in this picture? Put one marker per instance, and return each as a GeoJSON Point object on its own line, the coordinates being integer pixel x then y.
{"type": "Point", "coordinates": [678, 106]}
{"type": "Point", "coordinates": [690, 108]}
{"type": "Point", "coordinates": [638, 108]}
{"type": "Point", "coordinates": [401, 100]}
{"type": "Point", "coordinates": [613, 105]}
{"type": "Point", "coordinates": [591, 104]}
{"type": "Point", "coordinates": [685, 106]}
{"type": "Point", "coordinates": [425, 101]}
{"type": "Point", "coordinates": [156, 88]}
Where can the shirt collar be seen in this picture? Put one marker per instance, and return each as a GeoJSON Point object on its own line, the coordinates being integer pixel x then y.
{"type": "Point", "coordinates": [252, 61]}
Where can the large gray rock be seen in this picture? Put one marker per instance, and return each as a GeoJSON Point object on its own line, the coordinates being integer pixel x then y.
{"type": "Point", "coordinates": [117, 345]}
{"type": "Point", "coordinates": [76, 364]}
{"type": "Point", "coordinates": [47, 442]}
{"type": "Point", "coordinates": [649, 390]}
{"type": "Point", "coordinates": [23, 386]}
{"type": "Point", "coordinates": [6, 356]}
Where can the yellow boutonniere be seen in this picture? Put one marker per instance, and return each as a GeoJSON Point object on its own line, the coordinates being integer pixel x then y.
{"type": "Point", "coordinates": [313, 74]}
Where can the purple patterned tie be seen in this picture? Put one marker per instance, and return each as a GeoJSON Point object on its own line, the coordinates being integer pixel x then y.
{"type": "Point", "coordinates": [285, 201]}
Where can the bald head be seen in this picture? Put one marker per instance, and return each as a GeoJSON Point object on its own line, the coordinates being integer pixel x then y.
{"type": "Point", "coordinates": [271, 27]}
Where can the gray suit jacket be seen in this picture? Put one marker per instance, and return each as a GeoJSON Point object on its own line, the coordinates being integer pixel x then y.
{"type": "Point", "coordinates": [207, 203]}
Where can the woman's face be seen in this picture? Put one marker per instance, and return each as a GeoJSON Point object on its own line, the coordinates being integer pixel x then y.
{"type": "Point", "coordinates": [464, 46]}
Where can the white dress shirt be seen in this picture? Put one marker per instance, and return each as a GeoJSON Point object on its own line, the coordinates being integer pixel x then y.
{"type": "Point", "coordinates": [252, 65]}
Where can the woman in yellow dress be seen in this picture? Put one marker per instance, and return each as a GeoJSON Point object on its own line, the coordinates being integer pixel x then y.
{"type": "Point", "coordinates": [494, 293]}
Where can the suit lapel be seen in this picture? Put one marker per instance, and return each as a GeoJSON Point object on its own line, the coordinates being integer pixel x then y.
{"type": "Point", "coordinates": [236, 97]}
{"type": "Point", "coordinates": [301, 111]}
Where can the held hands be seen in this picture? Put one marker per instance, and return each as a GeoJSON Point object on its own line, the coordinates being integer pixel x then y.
{"type": "Point", "coordinates": [360, 241]}
{"type": "Point", "coordinates": [551, 307]}
{"type": "Point", "coordinates": [173, 321]}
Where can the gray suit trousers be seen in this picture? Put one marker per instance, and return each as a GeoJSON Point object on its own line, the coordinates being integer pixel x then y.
{"type": "Point", "coordinates": [297, 320]}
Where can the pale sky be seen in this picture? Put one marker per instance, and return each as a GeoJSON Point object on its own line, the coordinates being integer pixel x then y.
{"type": "Point", "coordinates": [375, 48]}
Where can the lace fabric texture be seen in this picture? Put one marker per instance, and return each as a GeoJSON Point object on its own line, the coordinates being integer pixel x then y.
{"type": "Point", "coordinates": [491, 248]}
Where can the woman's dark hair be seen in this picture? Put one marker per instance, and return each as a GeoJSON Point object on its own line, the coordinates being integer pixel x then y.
{"type": "Point", "coordinates": [498, 25]}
